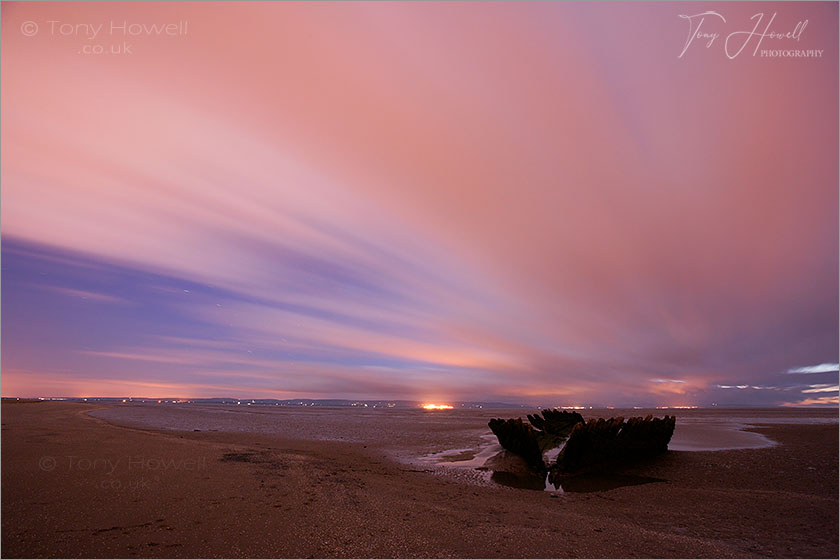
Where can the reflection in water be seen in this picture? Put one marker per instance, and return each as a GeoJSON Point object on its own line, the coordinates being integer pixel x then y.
{"type": "Point", "coordinates": [580, 483]}
{"type": "Point", "coordinates": [507, 469]}
{"type": "Point", "coordinates": [467, 457]}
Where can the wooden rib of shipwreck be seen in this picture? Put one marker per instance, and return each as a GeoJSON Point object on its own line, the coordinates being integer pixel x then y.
{"type": "Point", "coordinates": [519, 438]}
{"type": "Point", "coordinates": [548, 429]}
{"type": "Point", "coordinates": [604, 443]}
{"type": "Point", "coordinates": [553, 426]}
{"type": "Point", "coordinates": [590, 446]}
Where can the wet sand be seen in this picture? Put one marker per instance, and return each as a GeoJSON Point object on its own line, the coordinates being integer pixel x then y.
{"type": "Point", "coordinates": [75, 485]}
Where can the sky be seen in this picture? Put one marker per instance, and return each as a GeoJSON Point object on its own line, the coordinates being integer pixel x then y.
{"type": "Point", "coordinates": [551, 203]}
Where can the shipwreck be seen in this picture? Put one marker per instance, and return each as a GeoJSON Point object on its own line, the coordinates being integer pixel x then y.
{"type": "Point", "coordinates": [584, 446]}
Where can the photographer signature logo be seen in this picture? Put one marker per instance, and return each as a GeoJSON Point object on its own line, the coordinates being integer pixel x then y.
{"type": "Point", "coordinates": [706, 29]}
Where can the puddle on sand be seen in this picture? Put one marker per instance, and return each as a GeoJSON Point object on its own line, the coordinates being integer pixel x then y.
{"type": "Point", "coordinates": [716, 436]}
{"type": "Point", "coordinates": [467, 457]}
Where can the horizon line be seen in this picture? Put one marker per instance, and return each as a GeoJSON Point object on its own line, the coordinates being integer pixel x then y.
{"type": "Point", "coordinates": [419, 403]}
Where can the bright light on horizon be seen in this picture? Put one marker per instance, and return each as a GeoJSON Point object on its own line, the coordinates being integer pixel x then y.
{"type": "Point", "coordinates": [437, 406]}
{"type": "Point", "coordinates": [677, 406]}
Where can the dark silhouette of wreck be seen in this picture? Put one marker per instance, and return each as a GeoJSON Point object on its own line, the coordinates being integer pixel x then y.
{"type": "Point", "coordinates": [592, 445]}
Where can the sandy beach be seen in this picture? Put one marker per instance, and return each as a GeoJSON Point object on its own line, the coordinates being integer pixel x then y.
{"type": "Point", "coordinates": [75, 485]}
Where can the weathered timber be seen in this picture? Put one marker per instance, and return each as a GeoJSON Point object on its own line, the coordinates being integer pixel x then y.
{"type": "Point", "coordinates": [553, 426]}
{"type": "Point", "coordinates": [520, 438]}
{"type": "Point", "coordinates": [608, 443]}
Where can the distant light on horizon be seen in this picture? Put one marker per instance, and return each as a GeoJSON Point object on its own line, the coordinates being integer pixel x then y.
{"type": "Point", "coordinates": [681, 407]}
{"type": "Point", "coordinates": [437, 406]}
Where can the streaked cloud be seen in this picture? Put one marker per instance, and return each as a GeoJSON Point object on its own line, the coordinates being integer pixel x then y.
{"type": "Point", "coordinates": [821, 368]}
{"type": "Point", "coordinates": [822, 389]}
{"type": "Point", "coordinates": [86, 295]}
{"type": "Point", "coordinates": [818, 401]}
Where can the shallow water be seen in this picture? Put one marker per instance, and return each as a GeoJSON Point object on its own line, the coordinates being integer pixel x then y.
{"type": "Point", "coordinates": [710, 435]}
{"type": "Point", "coordinates": [468, 457]}
{"type": "Point", "coordinates": [452, 436]}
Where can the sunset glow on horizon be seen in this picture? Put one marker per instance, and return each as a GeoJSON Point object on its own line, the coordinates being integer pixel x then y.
{"type": "Point", "coordinates": [446, 202]}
